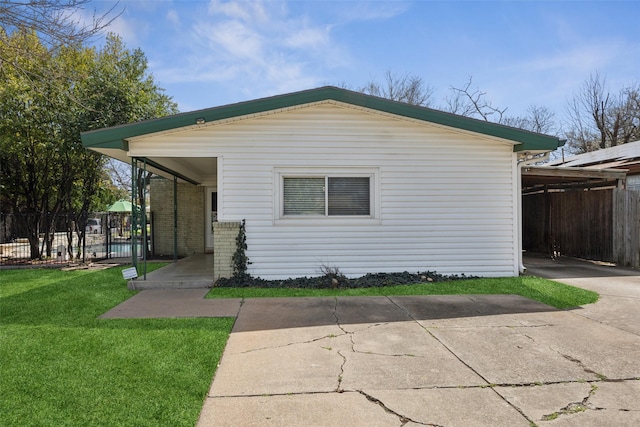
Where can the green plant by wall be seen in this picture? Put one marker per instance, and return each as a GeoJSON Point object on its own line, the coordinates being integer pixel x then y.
{"type": "Point", "coordinates": [240, 259]}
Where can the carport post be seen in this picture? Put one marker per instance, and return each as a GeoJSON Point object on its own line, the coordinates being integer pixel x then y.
{"type": "Point", "coordinates": [134, 255]}
{"type": "Point", "coordinates": [143, 208]}
{"type": "Point", "coordinates": [139, 191]}
{"type": "Point", "coordinates": [175, 218]}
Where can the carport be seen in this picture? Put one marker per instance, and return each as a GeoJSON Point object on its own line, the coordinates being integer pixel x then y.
{"type": "Point", "coordinates": [584, 212]}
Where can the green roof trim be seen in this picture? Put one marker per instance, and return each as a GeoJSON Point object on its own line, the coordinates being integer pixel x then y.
{"type": "Point", "coordinates": [116, 137]}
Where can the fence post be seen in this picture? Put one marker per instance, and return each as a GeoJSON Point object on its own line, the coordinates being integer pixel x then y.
{"type": "Point", "coordinates": [626, 226]}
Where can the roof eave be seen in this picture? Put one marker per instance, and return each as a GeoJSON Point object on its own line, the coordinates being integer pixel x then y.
{"type": "Point", "coordinates": [116, 137]}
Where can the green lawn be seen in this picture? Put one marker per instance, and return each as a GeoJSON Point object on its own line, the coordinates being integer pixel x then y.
{"type": "Point", "coordinates": [549, 292]}
{"type": "Point", "coordinates": [60, 365]}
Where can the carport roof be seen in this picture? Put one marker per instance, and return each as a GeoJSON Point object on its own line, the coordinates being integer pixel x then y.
{"type": "Point", "coordinates": [625, 157]}
{"type": "Point", "coordinates": [116, 137]}
{"type": "Point", "coordinates": [538, 178]}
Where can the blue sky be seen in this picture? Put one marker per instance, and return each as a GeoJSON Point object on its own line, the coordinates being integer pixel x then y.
{"type": "Point", "coordinates": [210, 53]}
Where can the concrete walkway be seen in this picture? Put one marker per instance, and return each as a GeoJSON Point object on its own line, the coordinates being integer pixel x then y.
{"type": "Point", "coordinates": [194, 271]}
{"type": "Point", "coordinates": [492, 360]}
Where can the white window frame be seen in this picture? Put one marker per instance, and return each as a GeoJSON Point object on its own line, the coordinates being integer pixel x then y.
{"type": "Point", "coordinates": [373, 174]}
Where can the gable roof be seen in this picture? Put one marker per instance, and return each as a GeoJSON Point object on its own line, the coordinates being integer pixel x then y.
{"type": "Point", "coordinates": [116, 137]}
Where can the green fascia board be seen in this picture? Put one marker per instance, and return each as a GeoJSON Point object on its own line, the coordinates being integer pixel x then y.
{"type": "Point", "coordinates": [116, 137]}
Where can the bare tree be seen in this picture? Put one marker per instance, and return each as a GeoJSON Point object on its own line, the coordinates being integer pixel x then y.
{"type": "Point", "coordinates": [537, 119]}
{"type": "Point", "coordinates": [119, 173]}
{"type": "Point", "coordinates": [470, 102]}
{"type": "Point", "coordinates": [465, 102]}
{"type": "Point", "coordinates": [598, 119]}
{"type": "Point", "coordinates": [55, 21]}
{"type": "Point", "coordinates": [407, 88]}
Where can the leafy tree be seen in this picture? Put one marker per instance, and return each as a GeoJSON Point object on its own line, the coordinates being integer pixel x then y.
{"type": "Point", "coordinates": [46, 100]}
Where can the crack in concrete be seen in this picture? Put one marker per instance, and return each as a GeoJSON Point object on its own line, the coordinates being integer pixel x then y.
{"type": "Point", "coordinates": [289, 344]}
{"type": "Point", "coordinates": [575, 407]}
{"type": "Point", "coordinates": [439, 341]}
{"type": "Point", "coordinates": [449, 387]}
{"type": "Point", "coordinates": [492, 326]}
{"type": "Point", "coordinates": [463, 362]}
{"type": "Point", "coordinates": [403, 418]}
{"type": "Point", "coordinates": [582, 365]}
{"type": "Point", "coordinates": [373, 353]}
{"type": "Point", "coordinates": [339, 388]}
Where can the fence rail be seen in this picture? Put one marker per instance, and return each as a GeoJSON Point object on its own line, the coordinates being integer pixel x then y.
{"type": "Point", "coordinates": [26, 239]}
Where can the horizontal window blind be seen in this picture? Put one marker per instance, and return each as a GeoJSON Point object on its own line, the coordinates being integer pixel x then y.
{"type": "Point", "coordinates": [349, 196]}
{"type": "Point", "coordinates": [304, 196]}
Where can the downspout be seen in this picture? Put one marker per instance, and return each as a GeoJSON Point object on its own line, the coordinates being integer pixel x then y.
{"type": "Point", "coordinates": [522, 164]}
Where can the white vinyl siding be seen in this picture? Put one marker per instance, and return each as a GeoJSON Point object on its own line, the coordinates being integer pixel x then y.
{"type": "Point", "coordinates": [443, 199]}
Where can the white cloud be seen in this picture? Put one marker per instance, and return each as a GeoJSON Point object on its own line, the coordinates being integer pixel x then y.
{"type": "Point", "coordinates": [308, 38]}
{"type": "Point", "coordinates": [173, 17]}
{"type": "Point", "coordinates": [372, 10]}
{"type": "Point", "coordinates": [231, 38]}
{"type": "Point", "coordinates": [248, 11]}
{"type": "Point", "coordinates": [127, 29]}
{"type": "Point", "coordinates": [590, 56]}
{"type": "Point", "coordinates": [258, 44]}
{"type": "Point", "coordinates": [261, 48]}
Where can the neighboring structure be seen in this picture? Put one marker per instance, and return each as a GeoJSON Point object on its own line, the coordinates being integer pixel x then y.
{"type": "Point", "coordinates": [333, 178]}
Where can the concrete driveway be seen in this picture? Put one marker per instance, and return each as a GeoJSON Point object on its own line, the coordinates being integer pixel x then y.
{"type": "Point", "coordinates": [485, 360]}
{"type": "Point", "coordinates": [496, 360]}
{"type": "Point", "coordinates": [619, 288]}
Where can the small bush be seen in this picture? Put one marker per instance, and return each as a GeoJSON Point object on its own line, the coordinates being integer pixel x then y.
{"type": "Point", "coordinates": [333, 279]}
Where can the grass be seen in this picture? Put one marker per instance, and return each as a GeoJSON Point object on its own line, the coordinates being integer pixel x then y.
{"type": "Point", "coordinates": [546, 291]}
{"type": "Point", "coordinates": [63, 366]}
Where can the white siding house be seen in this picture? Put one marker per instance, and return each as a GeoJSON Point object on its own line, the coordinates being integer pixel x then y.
{"type": "Point", "coordinates": [333, 178]}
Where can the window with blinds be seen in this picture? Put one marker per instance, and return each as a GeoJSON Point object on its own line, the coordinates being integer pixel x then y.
{"type": "Point", "coordinates": [327, 196]}
{"type": "Point", "coordinates": [304, 196]}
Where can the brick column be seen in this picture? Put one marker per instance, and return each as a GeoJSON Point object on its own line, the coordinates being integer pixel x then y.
{"type": "Point", "coordinates": [191, 216]}
{"type": "Point", "coordinates": [224, 246]}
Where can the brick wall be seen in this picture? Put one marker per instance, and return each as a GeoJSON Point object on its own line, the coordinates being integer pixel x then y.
{"type": "Point", "coordinates": [191, 218]}
{"type": "Point", "coordinates": [224, 246]}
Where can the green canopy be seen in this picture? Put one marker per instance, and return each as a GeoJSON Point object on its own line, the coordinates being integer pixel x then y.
{"type": "Point", "coordinates": [120, 206]}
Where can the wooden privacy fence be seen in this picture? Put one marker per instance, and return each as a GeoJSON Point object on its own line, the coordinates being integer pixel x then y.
{"type": "Point", "coordinates": [626, 227]}
{"type": "Point", "coordinates": [598, 224]}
